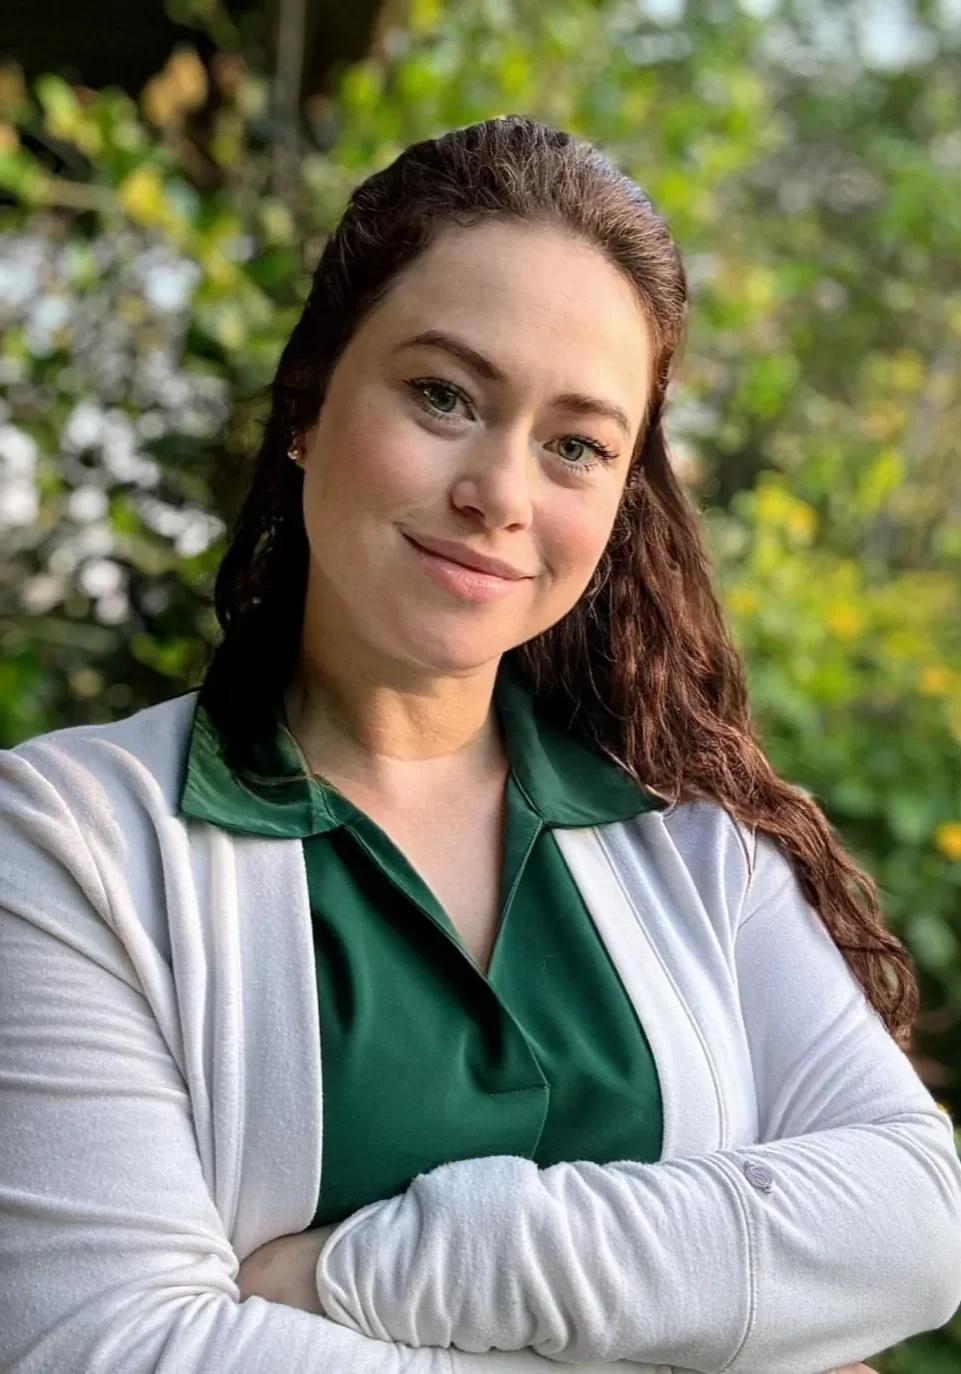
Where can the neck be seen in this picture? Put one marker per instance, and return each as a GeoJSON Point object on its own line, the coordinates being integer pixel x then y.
{"type": "Point", "coordinates": [385, 723]}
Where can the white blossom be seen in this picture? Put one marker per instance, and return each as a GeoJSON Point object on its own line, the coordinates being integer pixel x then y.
{"type": "Point", "coordinates": [151, 425]}
{"type": "Point", "coordinates": [112, 608]}
{"type": "Point", "coordinates": [18, 451]}
{"type": "Point", "coordinates": [84, 427]}
{"type": "Point", "coordinates": [101, 577]}
{"type": "Point", "coordinates": [91, 541]}
{"type": "Point", "coordinates": [50, 313]}
{"type": "Point", "coordinates": [167, 281]}
{"type": "Point", "coordinates": [87, 503]}
{"type": "Point", "coordinates": [198, 534]}
{"type": "Point", "coordinates": [161, 517]}
{"type": "Point", "coordinates": [19, 502]}
{"type": "Point", "coordinates": [41, 593]}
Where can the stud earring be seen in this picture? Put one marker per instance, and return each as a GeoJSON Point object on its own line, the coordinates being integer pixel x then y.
{"type": "Point", "coordinates": [293, 453]}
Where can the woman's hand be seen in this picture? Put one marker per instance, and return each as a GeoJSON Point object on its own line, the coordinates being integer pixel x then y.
{"type": "Point", "coordinates": [285, 1270]}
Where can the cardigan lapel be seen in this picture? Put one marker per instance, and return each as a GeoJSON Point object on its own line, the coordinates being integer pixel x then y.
{"type": "Point", "coordinates": [270, 1137]}
{"type": "Point", "coordinates": [614, 874]}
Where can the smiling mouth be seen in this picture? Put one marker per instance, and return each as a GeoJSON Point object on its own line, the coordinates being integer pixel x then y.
{"type": "Point", "coordinates": [464, 568]}
{"type": "Point", "coordinates": [465, 583]}
{"type": "Point", "coordinates": [503, 572]}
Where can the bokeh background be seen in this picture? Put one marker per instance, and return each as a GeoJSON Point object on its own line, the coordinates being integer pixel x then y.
{"type": "Point", "coordinates": [167, 179]}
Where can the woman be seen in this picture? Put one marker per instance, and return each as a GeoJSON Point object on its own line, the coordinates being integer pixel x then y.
{"type": "Point", "coordinates": [452, 985]}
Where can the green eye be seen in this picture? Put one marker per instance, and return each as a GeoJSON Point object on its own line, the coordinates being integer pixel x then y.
{"type": "Point", "coordinates": [422, 388]}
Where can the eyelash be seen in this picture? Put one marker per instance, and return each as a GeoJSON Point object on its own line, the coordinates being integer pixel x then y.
{"type": "Point", "coordinates": [420, 385]}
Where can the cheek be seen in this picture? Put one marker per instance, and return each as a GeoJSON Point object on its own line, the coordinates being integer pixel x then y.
{"type": "Point", "coordinates": [575, 534]}
{"type": "Point", "coordinates": [374, 466]}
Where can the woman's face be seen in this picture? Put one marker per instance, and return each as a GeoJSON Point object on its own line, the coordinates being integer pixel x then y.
{"type": "Point", "coordinates": [509, 435]}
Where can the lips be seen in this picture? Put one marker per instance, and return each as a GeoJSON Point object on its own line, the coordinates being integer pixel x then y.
{"type": "Point", "coordinates": [468, 558]}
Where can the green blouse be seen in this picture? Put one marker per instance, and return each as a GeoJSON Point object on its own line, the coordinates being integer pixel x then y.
{"type": "Point", "coordinates": [427, 1059]}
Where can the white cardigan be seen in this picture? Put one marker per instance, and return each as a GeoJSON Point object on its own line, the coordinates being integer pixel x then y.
{"type": "Point", "coordinates": [161, 1109]}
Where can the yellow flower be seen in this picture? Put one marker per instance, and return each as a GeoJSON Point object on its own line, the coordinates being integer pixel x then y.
{"type": "Point", "coordinates": [743, 601]}
{"type": "Point", "coordinates": [908, 371]}
{"type": "Point", "coordinates": [935, 680]}
{"type": "Point", "coordinates": [760, 287]}
{"type": "Point", "coordinates": [844, 620]}
{"type": "Point", "coordinates": [220, 270]}
{"type": "Point", "coordinates": [424, 16]}
{"type": "Point", "coordinates": [142, 195]}
{"type": "Point", "coordinates": [947, 837]}
{"type": "Point", "coordinates": [772, 503]}
{"type": "Point", "coordinates": [802, 521]}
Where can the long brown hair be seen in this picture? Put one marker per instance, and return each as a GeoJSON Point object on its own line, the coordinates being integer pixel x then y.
{"type": "Point", "coordinates": [643, 668]}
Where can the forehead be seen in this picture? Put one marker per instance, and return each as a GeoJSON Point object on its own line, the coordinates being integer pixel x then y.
{"type": "Point", "coordinates": [547, 307]}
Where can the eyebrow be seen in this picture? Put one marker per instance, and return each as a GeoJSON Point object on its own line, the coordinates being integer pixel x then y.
{"type": "Point", "coordinates": [575, 401]}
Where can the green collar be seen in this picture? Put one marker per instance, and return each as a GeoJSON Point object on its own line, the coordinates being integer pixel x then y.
{"type": "Point", "coordinates": [565, 783]}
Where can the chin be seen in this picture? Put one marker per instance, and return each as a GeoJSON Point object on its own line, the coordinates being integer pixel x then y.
{"type": "Point", "coordinates": [456, 653]}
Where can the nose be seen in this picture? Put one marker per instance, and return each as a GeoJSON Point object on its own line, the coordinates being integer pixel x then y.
{"type": "Point", "coordinates": [496, 481]}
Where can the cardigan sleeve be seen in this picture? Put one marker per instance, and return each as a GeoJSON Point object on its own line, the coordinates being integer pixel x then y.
{"type": "Point", "coordinates": [832, 1238]}
{"type": "Point", "coordinates": [113, 1257]}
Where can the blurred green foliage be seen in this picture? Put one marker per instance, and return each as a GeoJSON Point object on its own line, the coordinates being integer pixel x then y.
{"type": "Point", "coordinates": [154, 255]}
